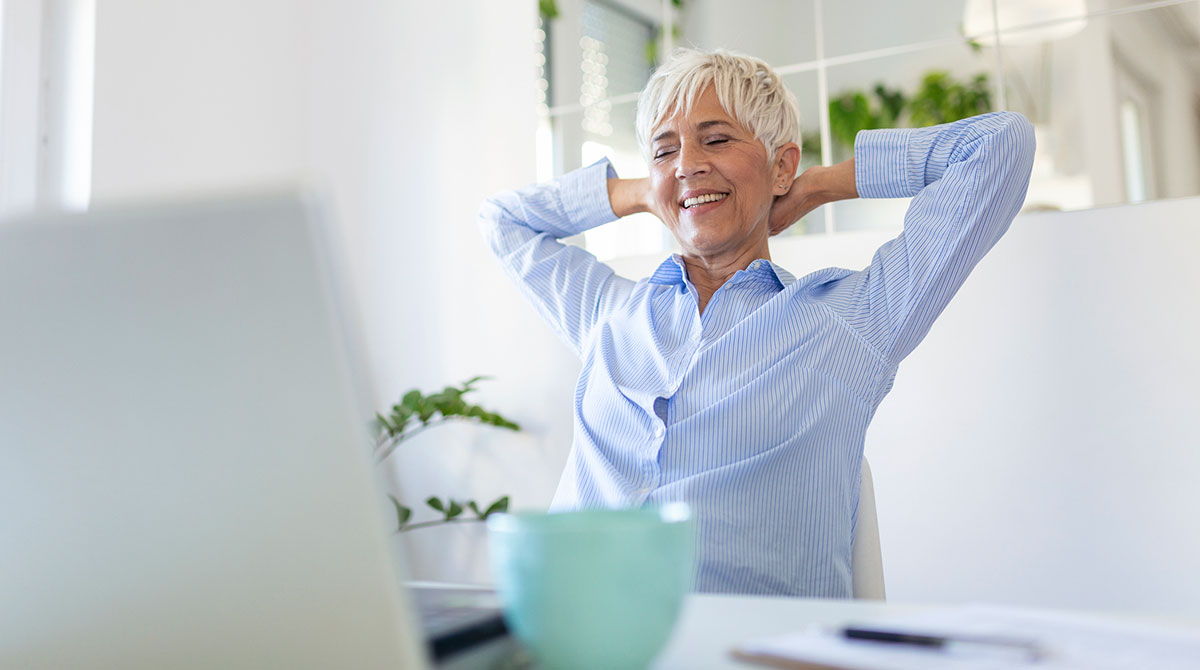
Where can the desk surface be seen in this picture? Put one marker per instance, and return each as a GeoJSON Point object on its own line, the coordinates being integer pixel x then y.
{"type": "Point", "coordinates": [711, 625]}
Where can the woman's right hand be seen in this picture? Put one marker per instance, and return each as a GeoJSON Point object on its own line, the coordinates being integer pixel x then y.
{"type": "Point", "coordinates": [629, 196]}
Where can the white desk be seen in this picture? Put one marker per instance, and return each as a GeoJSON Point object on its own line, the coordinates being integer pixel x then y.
{"type": "Point", "coordinates": [711, 625]}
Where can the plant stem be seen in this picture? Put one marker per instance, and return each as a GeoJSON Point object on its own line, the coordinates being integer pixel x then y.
{"type": "Point", "coordinates": [387, 451]}
{"type": "Point", "coordinates": [423, 524]}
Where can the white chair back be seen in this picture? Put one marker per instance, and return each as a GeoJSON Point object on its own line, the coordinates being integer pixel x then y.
{"type": "Point", "coordinates": [866, 563]}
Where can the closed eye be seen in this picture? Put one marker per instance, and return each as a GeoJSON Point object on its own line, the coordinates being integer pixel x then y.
{"type": "Point", "coordinates": [663, 152]}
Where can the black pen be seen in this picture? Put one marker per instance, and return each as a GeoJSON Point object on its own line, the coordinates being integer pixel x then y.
{"type": "Point", "coordinates": [1031, 649]}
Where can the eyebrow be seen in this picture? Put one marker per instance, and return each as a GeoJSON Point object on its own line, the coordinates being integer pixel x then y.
{"type": "Point", "coordinates": [703, 125]}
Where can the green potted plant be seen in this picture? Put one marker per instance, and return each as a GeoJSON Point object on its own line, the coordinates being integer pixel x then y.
{"type": "Point", "coordinates": [939, 98]}
{"type": "Point", "coordinates": [416, 413]}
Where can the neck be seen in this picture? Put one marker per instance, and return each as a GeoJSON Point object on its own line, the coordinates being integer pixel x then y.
{"type": "Point", "coordinates": [709, 273]}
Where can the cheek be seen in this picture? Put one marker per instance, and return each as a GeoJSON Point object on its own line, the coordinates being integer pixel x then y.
{"type": "Point", "coordinates": [659, 186]}
{"type": "Point", "coordinates": [663, 195]}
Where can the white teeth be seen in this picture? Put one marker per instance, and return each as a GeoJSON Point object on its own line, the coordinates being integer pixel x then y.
{"type": "Point", "coordinates": [701, 199]}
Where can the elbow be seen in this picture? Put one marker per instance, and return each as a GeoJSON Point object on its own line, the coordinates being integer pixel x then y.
{"type": "Point", "coordinates": [492, 212]}
{"type": "Point", "coordinates": [1018, 138]}
{"type": "Point", "coordinates": [1016, 147]}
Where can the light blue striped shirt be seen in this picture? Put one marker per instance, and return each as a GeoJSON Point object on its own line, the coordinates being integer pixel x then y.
{"type": "Point", "coordinates": [755, 412]}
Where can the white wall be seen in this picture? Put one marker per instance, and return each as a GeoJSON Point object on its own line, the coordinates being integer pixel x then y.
{"type": "Point", "coordinates": [197, 96]}
{"type": "Point", "coordinates": [390, 109]}
{"type": "Point", "coordinates": [407, 128]}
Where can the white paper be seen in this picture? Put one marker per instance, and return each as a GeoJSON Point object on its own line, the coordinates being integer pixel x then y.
{"type": "Point", "coordinates": [1072, 642]}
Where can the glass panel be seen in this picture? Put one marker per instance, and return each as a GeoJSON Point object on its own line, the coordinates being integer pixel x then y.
{"type": "Point", "coordinates": [615, 138]}
{"type": "Point", "coordinates": [781, 32]}
{"type": "Point", "coordinates": [854, 25]}
{"type": "Point", "coordinates": [1131, 150]}
{"type": "Point", "coordinates": [603, 129]}
{"type": "Point", "coordinates": [597, 50]}
{"type": "Point", "coordinates": [804, 86]}
{"type": "Point", "coordinates": [567, 132]}
{"type": "Point", "coordinates": [921, 88]}
{"type": "Point", "coordinates": [607, 130]}
{"type": "Point", "coordinates": [1039, 21]}
{"type": "Point", "coordinates": [1113, 105]}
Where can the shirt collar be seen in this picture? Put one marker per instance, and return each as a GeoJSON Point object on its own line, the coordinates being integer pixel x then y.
{"type": "Point", "coordinates": [773, 273]}
{"type": "Point", "coordinates": [672, 271]}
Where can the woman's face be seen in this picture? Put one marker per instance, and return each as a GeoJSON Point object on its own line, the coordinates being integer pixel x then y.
{"type": "Point", "coordinates": [710, 182]}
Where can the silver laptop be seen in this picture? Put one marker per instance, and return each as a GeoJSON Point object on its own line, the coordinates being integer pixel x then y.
{"type": "Point", "coordinates": [184, 470]}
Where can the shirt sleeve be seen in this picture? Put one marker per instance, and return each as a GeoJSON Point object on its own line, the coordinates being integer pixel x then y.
{"type": "Point", "coordinates": [569, 287]}
{"type": "Point", "coordinates": [967, 181]}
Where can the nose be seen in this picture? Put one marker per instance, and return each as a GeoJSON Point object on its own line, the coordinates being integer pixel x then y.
{"type": "Point", "coordinates": [693, 161]}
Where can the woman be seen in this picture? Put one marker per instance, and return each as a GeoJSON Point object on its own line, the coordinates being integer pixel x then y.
{"type": "Point", "coordinates": [722, 380]}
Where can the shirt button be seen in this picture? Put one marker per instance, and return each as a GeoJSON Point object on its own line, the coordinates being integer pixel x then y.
{"type": "Point", "coordinates": [659, 431]}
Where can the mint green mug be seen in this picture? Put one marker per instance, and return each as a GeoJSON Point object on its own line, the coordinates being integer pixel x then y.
{"type": "Point", "coordinates": [595, 588]}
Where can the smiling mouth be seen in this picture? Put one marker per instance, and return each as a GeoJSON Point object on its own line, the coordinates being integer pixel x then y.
{"type": "Point", "coordinates": [704, 199]}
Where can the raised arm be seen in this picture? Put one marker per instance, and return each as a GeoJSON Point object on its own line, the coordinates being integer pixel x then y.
{"type": "Point", "coordinates": [967, 181]}
{"type": "Point", "coordinates": [568, 286]}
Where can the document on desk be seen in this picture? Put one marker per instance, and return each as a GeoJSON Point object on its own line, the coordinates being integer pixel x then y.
{"type": "Point", "coordinates": [1064, 642]}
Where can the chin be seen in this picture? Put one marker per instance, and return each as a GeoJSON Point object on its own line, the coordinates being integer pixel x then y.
{"type": "Point", "coordinates": [705, 237]}
{"type": "Point", "coordinates": [706, 247]}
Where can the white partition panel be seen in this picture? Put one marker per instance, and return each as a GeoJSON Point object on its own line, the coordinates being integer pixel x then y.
{"type": "Point", "coordinates": [1041, 445]}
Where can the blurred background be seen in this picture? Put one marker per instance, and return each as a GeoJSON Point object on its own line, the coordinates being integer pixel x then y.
{"type": "Point", "coordinates": [1066, 481]}
{"type": "Point", "coordinates": [1102, 81]}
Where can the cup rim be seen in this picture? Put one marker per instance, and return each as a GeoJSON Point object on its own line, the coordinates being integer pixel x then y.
{"type": "Point", "coordinates": [530, 521]}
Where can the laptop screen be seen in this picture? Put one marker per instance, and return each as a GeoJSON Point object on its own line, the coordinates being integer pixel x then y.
{"type": "Point", "coordinates": [184, 479]}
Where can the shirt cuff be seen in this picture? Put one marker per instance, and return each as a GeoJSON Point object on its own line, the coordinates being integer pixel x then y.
{"type": "Point", "coordinates": [584, 194]}
{"type": "Point", "coordinates": [889, 163]}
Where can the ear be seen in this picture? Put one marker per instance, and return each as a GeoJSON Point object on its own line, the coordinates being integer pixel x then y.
{"type": "Point", "coordinates": [787, 159]}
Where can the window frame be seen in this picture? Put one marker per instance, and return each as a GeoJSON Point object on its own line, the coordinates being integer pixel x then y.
{"type": "Point", "coordinates": [47, 53]}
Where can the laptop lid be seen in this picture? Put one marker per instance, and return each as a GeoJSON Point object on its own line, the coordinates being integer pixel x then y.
{"type": "Point", "coordinates": [184, 469]}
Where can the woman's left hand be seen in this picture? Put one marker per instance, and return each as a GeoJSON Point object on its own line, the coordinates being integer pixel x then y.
{"type": "Point", "coordinates": [812, 188]}
{"type": "Point", "coordinates": [793, 205]}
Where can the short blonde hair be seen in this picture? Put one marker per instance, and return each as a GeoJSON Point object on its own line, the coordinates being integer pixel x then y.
{"type": "Point", "coordinates": [747, 88]}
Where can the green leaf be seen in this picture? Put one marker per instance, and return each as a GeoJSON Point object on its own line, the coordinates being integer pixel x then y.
{"type": "Point", "coordinates": [411, 401]}
{"type": "Point", "coordinates": [453, 407]}
{"type": "Point", "coordinates": [403, 514]}
{"type": "Point", "coordinates": [425, 411]}
{"type": "Point", "coordinates": [848, 114]}
{"type": "Point", "coordinates": [500, 505]}
{"type": "Point", "coordinates": [415, 407]}
{"type": "Point", "coordinates": [548, 9]}
{"type": "Point", "coordinates": [500, 422]}
{"type": "Point", "coordinates": [891, 106]}
{"type": "Point", "coordinates": [446, 403]}
{"type": "Point", "coordinates": [383, 426]}
{"type": "Point", "coordinates": [810, 144]}
{"type": "Point", "coordinates": [401, 414]}
{"type": "Point", "coordinates": [469, 385]}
